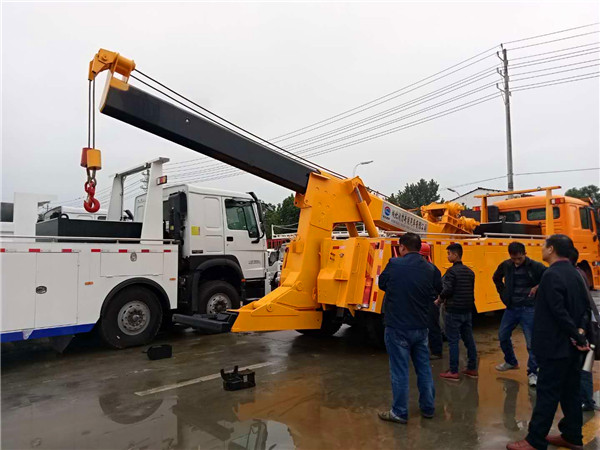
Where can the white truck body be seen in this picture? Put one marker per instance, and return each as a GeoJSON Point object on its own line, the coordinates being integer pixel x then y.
{"type": "Point", "coordinates": [59, 288]}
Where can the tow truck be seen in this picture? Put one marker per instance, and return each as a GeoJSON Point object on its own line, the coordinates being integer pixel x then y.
{"type": "Point", "coordinates": [189, 249]}
{"type": "Point", "coordinates": [324, 281]}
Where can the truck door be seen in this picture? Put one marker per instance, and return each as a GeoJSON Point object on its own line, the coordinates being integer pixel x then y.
{"type": "Point", "coordinates": [56, 289]}
{"type": "Point", "coordinates": [205, 225]}
{"type": "Point", "coordinates": [242, 237]}
{"type": "Point", "coordinates": [584, 235]}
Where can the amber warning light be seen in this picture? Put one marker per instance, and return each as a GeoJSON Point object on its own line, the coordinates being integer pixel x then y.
{"type": "Point", "coordinates": [161, 180]}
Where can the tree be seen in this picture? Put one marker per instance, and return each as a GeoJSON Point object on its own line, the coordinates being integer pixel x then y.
{"type": "Point", "coordinates": [285, 213]}
{"type": "Point", "coordinates": [415, 195]}
{"type": "Point", "coordinates": [591, 191]}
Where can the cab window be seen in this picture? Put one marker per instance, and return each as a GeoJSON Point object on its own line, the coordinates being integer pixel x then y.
{"type": "Point", "coordinates": [510, 216]}
{"type": "Point", "coordinates": [240, 216]}
{"type": "Point", "coordinates": [586, 223]}
{"type": "Point", "coordinates": [540, 213]}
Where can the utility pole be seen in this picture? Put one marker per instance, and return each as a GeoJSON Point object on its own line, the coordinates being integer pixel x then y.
{"type": "Point", "coordinates": [506, 97]}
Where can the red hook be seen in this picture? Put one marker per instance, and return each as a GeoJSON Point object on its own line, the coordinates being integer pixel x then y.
{"type": "Point", "coordinates": [91, 204]}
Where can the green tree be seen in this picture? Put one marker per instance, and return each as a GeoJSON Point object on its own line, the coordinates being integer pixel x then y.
{"type": "Point", "coordinates": [285, 213]}
{"type": "Point", "coordinates": [591, 191]}
{"type": "Point", "coordinates": [415, 195]}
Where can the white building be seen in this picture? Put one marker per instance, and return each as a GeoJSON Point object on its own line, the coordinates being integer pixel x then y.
{"type": "Point", "coordinates": [468, 198]}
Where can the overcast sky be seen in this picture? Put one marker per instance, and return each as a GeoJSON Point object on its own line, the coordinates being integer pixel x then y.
{"type": "Point", "coordinates": [276, 67]}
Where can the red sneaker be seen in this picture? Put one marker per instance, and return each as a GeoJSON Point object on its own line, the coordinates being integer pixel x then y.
{"type": "Point", "coordinates": [453, 376]}
{"type": "Point", "coordinates": [470, 373]}
{"type": "Point", "coordinates": [559, 441]}
{"type": "Point", "coordinates": [520, 445]}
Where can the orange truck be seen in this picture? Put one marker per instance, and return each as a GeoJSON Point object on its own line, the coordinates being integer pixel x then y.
{"type": "Point", "coordinates": [574, 217]}
{"type": "Point", "coordinates": [522, 218]}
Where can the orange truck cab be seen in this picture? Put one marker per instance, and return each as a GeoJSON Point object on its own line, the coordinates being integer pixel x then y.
{"type": "Point", "coordinates": [573, 217]}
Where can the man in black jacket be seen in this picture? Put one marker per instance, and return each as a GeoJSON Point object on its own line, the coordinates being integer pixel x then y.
{"type": "Point", "coordinates": [410, 284]}
{"type": "Point", "coordinates": [561, 315]}
{"type": "Point", "coordinates": [459, 297]}
{"type": "Point", "coordinates": [516, 281]}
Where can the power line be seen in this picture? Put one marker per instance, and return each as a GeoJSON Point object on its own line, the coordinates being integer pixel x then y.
{"type": "Point", "coordinates": [557, 51]}
{"type": "Point", "coordinates": [552, 33]}
{"type": "Point", "coordinates": [556, 67]}
{"type": "Point", "coordinates": [554, 73]}
{"type": "Point", "coordinates": [552, 83]}
{"type": "Point", "coordinates": [392, 111]}
{"type": "Point", "coordinates": [409, 125]}
{"type": "Point", "coordinates": [554, 40]}
{"type": "Point", "coordinates": [552, 59]}
{"type": "Point", "coordinates": [349, 136]}
{"type": "Point", "coordinates": [522, 174]}
{"type": "Point", "coordinates": [359, 109]}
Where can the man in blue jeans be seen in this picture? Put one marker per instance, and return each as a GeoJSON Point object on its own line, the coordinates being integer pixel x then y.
{"type": "Point", "coordinates": [516, 281]}
{"type": "Point", "coordinates": [409, 283]}
{"type": "Point", "coordinates": [458, 295]}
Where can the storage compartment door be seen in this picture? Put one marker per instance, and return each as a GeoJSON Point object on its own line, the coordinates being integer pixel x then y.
{"type": "Point", "coordinates": [56, 289]}
{"type": "Point", "coordinates": [18, 290]}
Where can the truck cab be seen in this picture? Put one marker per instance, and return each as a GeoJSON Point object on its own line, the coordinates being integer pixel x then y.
{"type": "Point", "coordinates": [572, 216]}
{"type": "Point", "coordinates": [223, 247]}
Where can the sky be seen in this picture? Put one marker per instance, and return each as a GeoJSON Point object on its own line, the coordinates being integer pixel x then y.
{"type": "Point", "coordinates": [277, 67]}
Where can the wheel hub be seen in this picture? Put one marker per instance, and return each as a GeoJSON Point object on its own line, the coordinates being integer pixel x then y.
{"type": "Point", "coordinates": [134, 318]}
{"type": "Point", "coordinates": [218, 303]}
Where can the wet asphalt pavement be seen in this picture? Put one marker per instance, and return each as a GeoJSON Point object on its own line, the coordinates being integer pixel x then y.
{"type": "Point", "coordinates": [310, 394]}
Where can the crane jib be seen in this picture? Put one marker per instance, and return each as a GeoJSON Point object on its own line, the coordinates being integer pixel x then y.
{"type": "Point", "coordinates": [157, 116]}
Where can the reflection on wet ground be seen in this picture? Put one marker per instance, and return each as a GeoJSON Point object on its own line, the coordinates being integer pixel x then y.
{"type": "Point", "coordinates": [316, 394]}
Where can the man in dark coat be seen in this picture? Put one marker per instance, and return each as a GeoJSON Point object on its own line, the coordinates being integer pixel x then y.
{"type": "Point", "coordinates": [436, 341]}
{"type": "Point", "coordinates": [458, 295]}
{"type": "Point", "coordinates": [409, 284]}
{"type": "Point", "coordinates": [561, 315]}
{"type": "Point", "coordinates": [517, 281]}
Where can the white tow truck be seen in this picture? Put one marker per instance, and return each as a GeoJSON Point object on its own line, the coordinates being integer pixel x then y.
{"type": "Point", "coordinates": [189, 250]}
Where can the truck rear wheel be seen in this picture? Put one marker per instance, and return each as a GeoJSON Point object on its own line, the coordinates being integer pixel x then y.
{"type": "Point", "coordinates": [218, 296]}
{"type": "Point", "coordinates": [329, 326]}
{"type": "Point", "coordinates": [375, 330]}
{"type": "Point", "coordinates": [132, 317]}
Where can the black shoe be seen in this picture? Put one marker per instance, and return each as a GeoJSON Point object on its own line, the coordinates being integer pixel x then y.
{"type": "Point", "coordinates": [426, 416]}
{"type": "Point", "coordinates": [590, 407]}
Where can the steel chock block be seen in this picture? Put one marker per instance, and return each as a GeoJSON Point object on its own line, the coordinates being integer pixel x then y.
{"type": "Point", "coordinates": [236, 380]}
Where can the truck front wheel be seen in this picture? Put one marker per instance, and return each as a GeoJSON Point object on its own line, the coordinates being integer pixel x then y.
{"type": "Point", "coordinates": [217, 296]}
{"type": "Point", "coordinates": [132, 317]}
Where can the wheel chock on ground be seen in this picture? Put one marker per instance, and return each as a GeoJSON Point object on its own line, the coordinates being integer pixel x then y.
{"type": "Point", "coordinates": [159, 352]}
{"type": "Point", "coordinates": [236, 380]}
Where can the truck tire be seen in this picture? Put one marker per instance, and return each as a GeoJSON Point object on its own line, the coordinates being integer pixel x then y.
{"type": "Point", "coordinates": [218, 296]}
{"type": "Point", "coordinates": [132, 318]}
{"type": "Point", "coordinates": [329, 326]}
{"type": "Point", "coordinates": [375, 330]}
